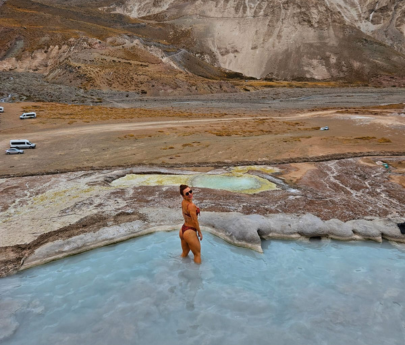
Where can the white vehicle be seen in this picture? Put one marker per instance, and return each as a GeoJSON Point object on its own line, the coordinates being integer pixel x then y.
{"type": "Point", "coordinates": [14, 151]}
{"type": "Point", "coordinates": [22, 144]}
{"type": "Point", "coordinates": [1, 110]}
{"type": "Point", "coordinates": [28, 116]}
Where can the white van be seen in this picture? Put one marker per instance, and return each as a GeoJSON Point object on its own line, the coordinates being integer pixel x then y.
{"type": "Point", "coordinates": [1, 110]}
{"type": "Point", "coordinates": [22, 144]}
{"type": "Point", "coordinates": [28, 116]}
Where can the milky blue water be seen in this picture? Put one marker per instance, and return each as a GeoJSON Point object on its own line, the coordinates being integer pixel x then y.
{"type": "Point", "coordinates": [142, 292]}
{"type": "Point", "coordinates": [230, 183]}
{"type": "Point", "coordinates": [248, 184]}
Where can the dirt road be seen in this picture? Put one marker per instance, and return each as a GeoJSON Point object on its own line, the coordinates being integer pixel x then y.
{"type": "Point", "coordinates": [86, 137]}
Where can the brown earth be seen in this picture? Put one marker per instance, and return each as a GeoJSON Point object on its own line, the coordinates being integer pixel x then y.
{"type": "Point", "coordinates": [87, 48]}
{"type": "Point", "coordinates": [399, 179]}
{"type": "Point", "coordinates": [72, 137]}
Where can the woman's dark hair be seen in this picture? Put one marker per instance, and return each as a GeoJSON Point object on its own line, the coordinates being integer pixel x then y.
{"type": "Point", "coordinates": [182, 188]}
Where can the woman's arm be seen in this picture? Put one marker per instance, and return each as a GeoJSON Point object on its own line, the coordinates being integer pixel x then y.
{"type": "Point", "coordinates": [194, 219]}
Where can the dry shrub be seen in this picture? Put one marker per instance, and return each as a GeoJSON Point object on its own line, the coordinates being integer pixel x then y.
{"type": "Point", "coordinates": [388, 106]}
{"type": "Point", "coordinates": [365, 138]}
{"type": "Point", "coordinates": [224, 133]}
{"type": "Point", "coordinates": [293, 139]}
{"type": "Point", "coordinates": [67, 112]}
{"type": "Point", "coordinates": [127, 136]}
{"type": "Point", "coordinates": [384, 140]}
{"type": "Point", "coordinates": [309, 129]}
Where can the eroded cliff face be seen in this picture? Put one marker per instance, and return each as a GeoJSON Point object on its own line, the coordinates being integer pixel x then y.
{"type": "Point", "coordinates": [284, 39]}
{"type": "Point", "coordinates": [160, 47]}
{"type": "Point", "coordinates": [75, 44]}
{"type": "Point", "coordinates": [382, 19]}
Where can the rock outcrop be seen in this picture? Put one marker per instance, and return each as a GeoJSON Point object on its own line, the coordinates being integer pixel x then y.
{"type": "Point", "coordinates": [101, 50]}
{"type": "Point", "coordinates": [308, 39]}
{"type": "Point", "coordinates": [238, 229]}
{"type": "Point", "coordinates": [146, 45]}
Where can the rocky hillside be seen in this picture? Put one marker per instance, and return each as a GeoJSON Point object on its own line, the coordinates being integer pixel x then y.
{"type": "Point", "coordinates": [76, 44]}
{"type": "Point", "coordinates": [289, 39]}
{"type": "Point", "coordinates": [161, 47]}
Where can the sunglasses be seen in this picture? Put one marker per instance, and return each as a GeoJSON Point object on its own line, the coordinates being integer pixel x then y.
{"type": "Point", "coordinates": [189, 192]}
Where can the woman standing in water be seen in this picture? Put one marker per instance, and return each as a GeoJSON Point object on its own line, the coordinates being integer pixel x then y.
{"type": "Point", "coordinates": [190, 231]}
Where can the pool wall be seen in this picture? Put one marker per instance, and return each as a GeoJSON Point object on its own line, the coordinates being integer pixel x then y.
{"type": "Point", "coordinates": [241, 230]}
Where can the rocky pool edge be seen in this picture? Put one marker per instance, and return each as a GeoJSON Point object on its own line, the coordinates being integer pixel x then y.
{"type": "Point", "coordinates": [238, 229]}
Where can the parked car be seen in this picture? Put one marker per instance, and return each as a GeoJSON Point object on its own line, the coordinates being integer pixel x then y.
{"type": "Point", "coordinates": [31, 115]}
{"type": "Point", "coordinates": [326, 128]}
{"type": "Point", "coordinates": [22, 144]}
{"type": "Point", "coordinates": [1, 110]}
{"type": "Point", "coordinates": [14, 151]}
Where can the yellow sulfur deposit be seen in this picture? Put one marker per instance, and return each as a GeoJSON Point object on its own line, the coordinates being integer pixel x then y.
{"type": "Point", "coordinates": [236, 181]}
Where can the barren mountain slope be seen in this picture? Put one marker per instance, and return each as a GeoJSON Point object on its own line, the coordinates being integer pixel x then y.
{"type": "Point", "coordinates": [161, 47]}
{"type": "Point", "coordinates": [74, 43]}
{"type": "Point", "coordinates": [285, 39]}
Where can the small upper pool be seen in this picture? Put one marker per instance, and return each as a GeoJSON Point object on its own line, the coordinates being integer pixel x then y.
{"type": "Point", "coordinates": [244, 184]}
{"type": "Point", "coordinates": [237, 180]}
{"type": "Point", "coordinates": [142, 292]}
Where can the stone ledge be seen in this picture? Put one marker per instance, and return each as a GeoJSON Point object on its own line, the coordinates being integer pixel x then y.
{"type": "Point", "coordinates": [238, 229]}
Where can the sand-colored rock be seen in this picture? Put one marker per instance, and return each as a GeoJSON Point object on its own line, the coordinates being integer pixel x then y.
{"type": "Point", "coordinates": [365, 229]}
{"type": "Point", "coordinates": [338, 230]}
{"type": "Point", "coordinates": [389, 229]}
{"type": "Point", "coordinates": [311, 226]}
{"type": "Point", "coordinates": [287, 39]}
{"type": "Point", "coordinates": [278, 226]}
{"type": "Point", "coordinates": [236, 228]}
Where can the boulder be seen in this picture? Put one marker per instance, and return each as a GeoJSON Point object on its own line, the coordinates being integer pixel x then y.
{"type": "Point", "coordinates": [233, 227]}
{"type": "Point", "coordinates": [339, 230]}
{"type": "Point", "coordinates": [311, 226]}
{"type": "Point", "coordinates": [278, 226]}
{"type": "Point", "coordinates": [365, 229]}
{"type": "Point", "coordinates": [389, 230]}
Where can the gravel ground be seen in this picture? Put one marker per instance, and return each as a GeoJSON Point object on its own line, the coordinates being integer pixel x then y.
{"type": "Point", "coordinates": [33, 87]}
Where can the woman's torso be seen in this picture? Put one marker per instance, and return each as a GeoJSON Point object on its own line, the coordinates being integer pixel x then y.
{"type": "Point", "coordinates": [186, 208]}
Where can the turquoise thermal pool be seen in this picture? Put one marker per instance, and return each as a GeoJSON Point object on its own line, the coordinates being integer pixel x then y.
{"type": "Point", "coordinates": [236, 180]}
{"type": "Point", "coordinates": [229, 183]}
{"type": "Point", "coordinates": [142, 292]}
